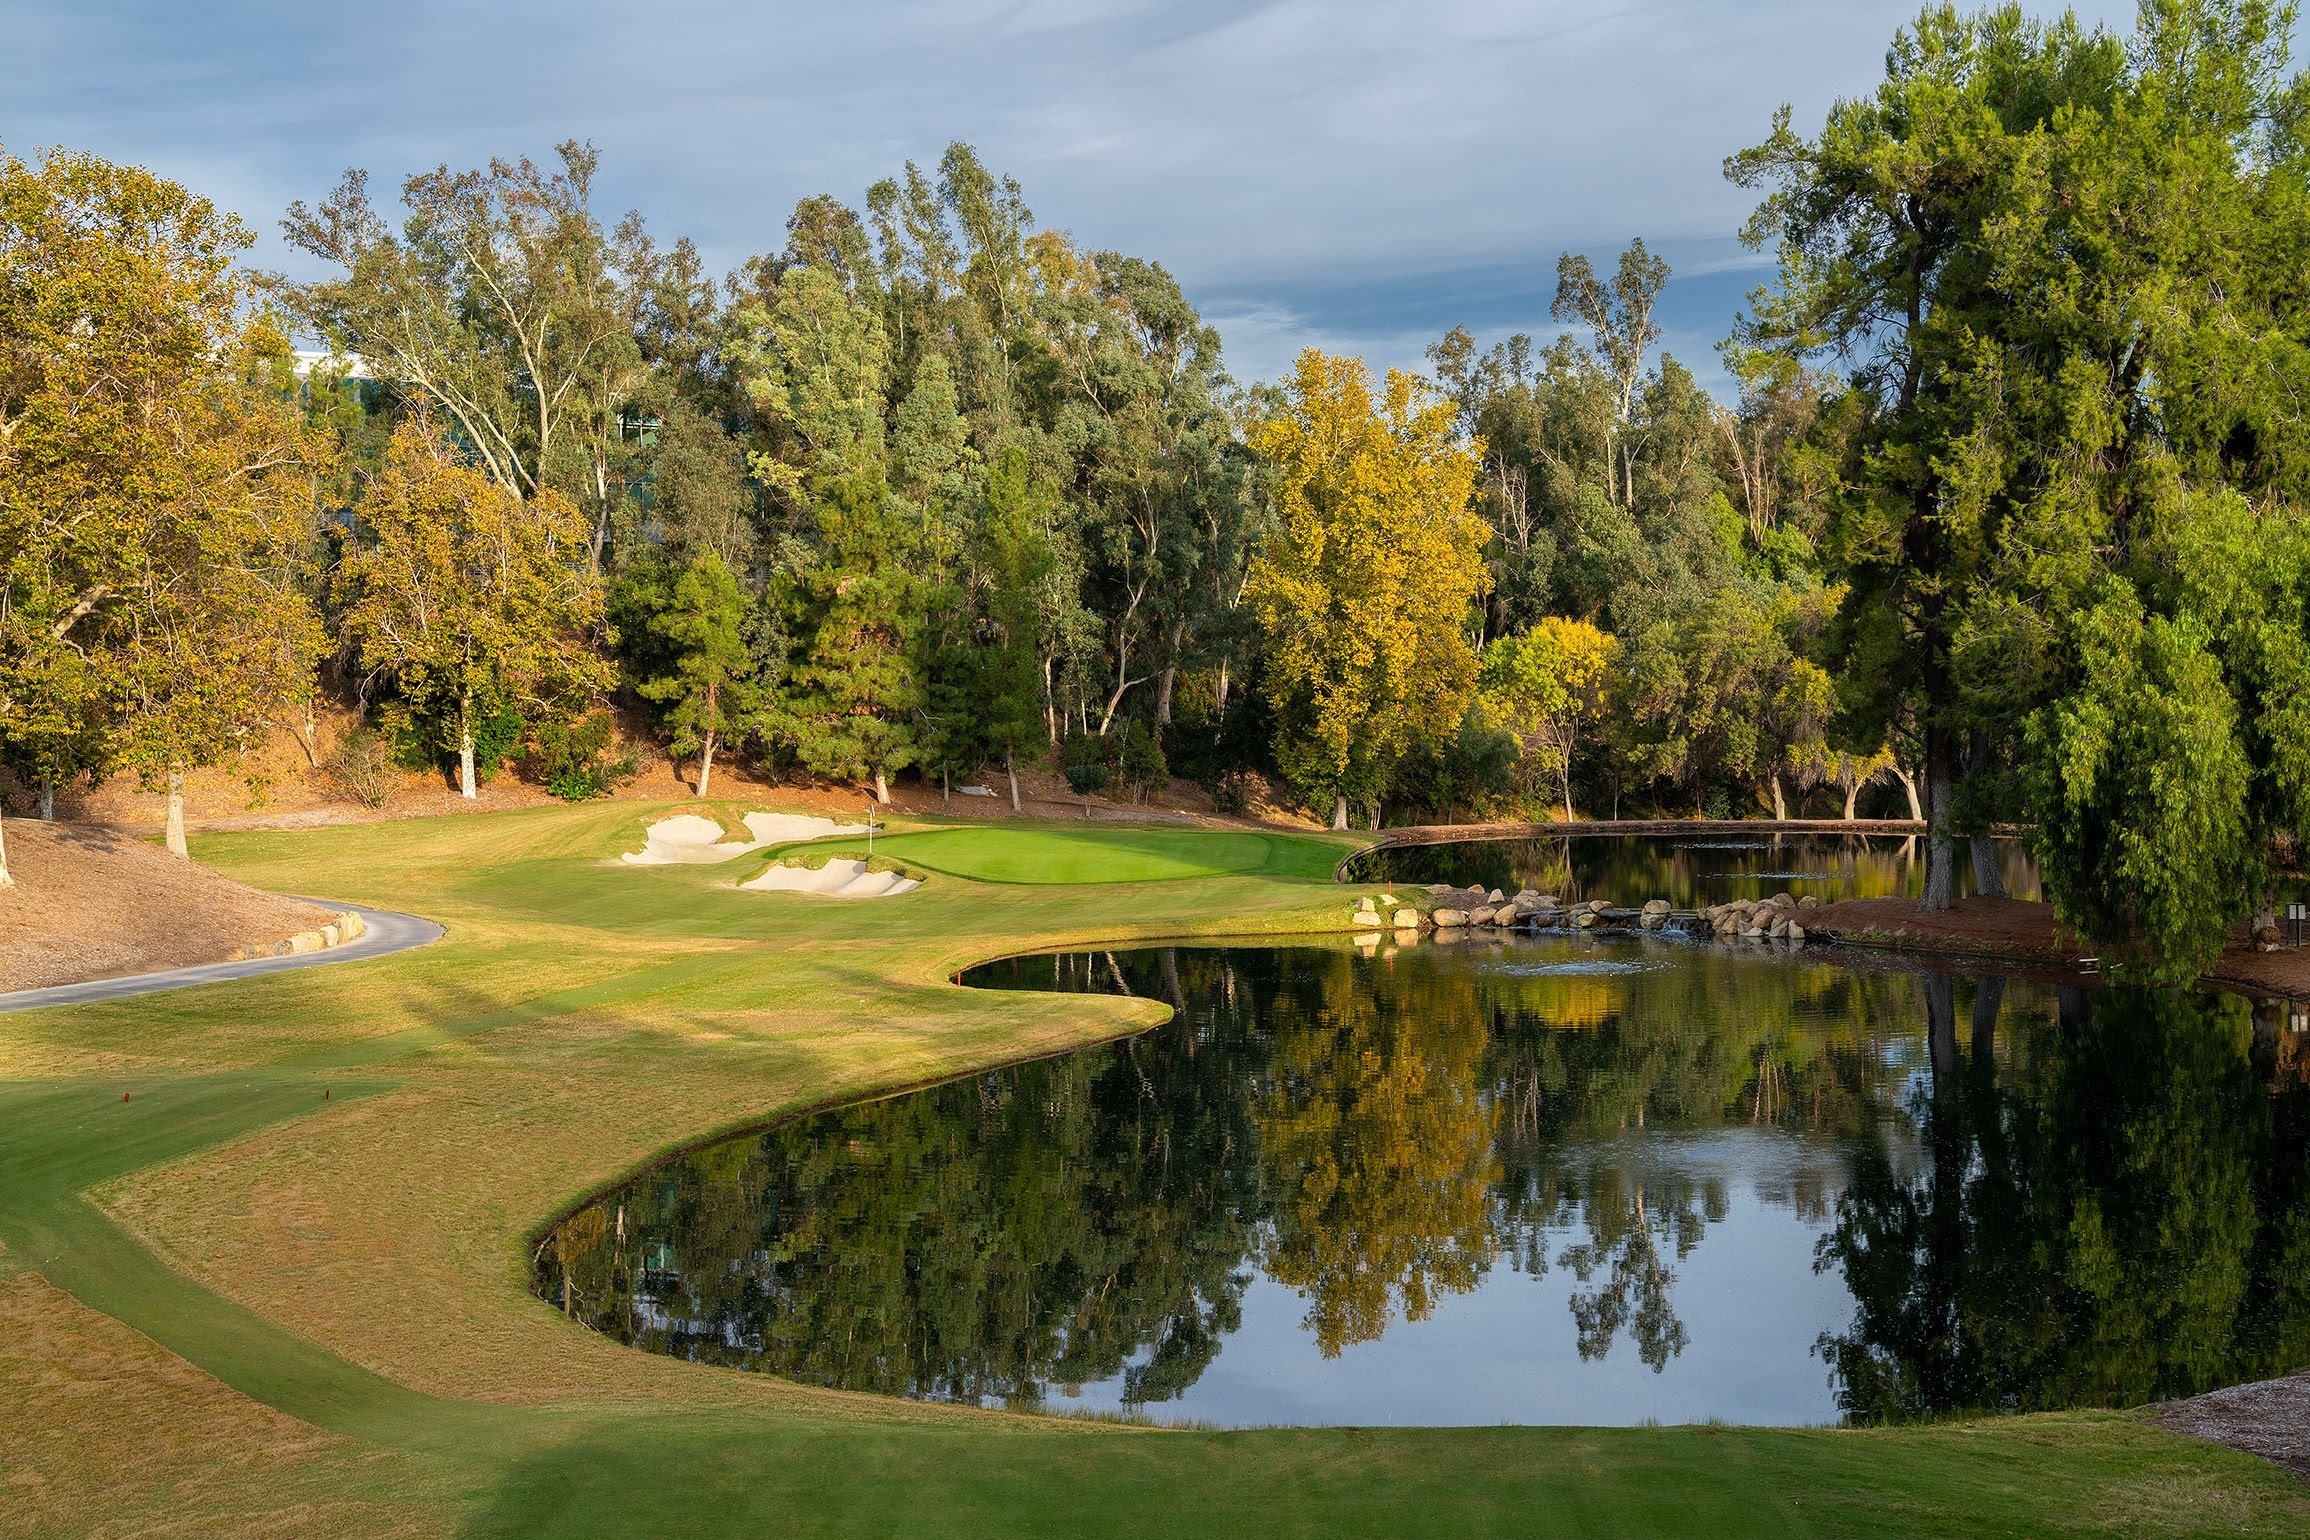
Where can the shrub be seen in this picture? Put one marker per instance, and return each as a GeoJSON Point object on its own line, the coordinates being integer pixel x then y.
{"type": "Point", "coordinates": [363, 767]}
{"type": "Point", "coordinates": [572, 757]}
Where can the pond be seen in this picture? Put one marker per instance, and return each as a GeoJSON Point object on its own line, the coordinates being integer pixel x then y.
{"type": "Point", "coordinates": [1688, 871]}
{"type": "Point", "coordinates": [1547, 1179]}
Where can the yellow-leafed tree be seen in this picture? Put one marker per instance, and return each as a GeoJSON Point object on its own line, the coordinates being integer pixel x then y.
{"type": "Point", "coordinates": [1365, 589]}
{"type": "Point", "coordinates": [470, 598]}
{"type": "Point", "coordinates": [1547, 686]}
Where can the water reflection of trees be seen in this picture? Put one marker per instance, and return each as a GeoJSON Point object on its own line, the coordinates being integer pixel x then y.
{"type": "Point", "coordinates": [2037, 1211]}
{"type": "Point", "coordinates": [2118, 1211]}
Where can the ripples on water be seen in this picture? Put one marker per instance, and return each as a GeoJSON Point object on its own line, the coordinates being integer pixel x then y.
{"type": "Point", "coordinates": [1550, 1180]}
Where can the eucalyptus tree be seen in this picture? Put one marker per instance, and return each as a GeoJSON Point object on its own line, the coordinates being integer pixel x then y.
{"type": "Point", "coordinates": [504, 306]}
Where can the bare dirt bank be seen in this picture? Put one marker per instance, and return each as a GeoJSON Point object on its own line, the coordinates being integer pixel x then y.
{"type": "Point", "coordinates": [2026, 931]}
{"type": "Point", "coordinates": [93, 904]}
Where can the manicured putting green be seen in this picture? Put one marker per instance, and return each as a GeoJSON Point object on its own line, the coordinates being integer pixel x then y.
{"type": "Point", "coordinates": [1104, 855]}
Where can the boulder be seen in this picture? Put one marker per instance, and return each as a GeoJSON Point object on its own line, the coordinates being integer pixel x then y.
{"type": "Point", "coordinates": [1780, 929]}
{"type": "Point", "coordinates": [1546, 900]}
{"type": "Point", "coordinates": [1369, 917]}
{"type": "Point", "coordinates": [1438, 889]}
{"type": "Point", "coordinates": [1796, 935]}
{"type": "Point", "coordinates": [1507, 916]}
{"type": "Point", "coordinates": [1447, 919]}
{"type": "Point", "coordinates": [1584, 919]}
{"type": "Point", "coordinates": [1656, 906]}
{"type": "Point", "coordinates": [1483, 916]}
{"type": "Point", "coordinates": [1809, 901]}
{"type": "Point", "coordinates": [1651, 921]}
{"type": "Point", "coordinates": [1495, 897]}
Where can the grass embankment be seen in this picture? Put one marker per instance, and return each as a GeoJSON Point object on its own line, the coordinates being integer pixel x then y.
{"type": "Point", "coordinates": [229, 1306]}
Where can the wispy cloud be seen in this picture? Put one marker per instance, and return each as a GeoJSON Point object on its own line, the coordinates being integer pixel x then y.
{"type": "Point", "coordinates": [1363, 172]}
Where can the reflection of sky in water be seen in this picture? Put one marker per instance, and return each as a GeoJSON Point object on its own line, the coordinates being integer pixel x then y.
{"type": "Point", "coordinates": [1597, 968]}
{"type": "Point", "coordinates": [1751, 1303]}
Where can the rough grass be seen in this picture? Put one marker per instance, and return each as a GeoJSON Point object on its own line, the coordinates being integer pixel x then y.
{"type": "Point", "coordinates": [288, 1274]}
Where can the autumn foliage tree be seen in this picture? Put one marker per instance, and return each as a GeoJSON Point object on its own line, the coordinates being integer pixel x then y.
{"type": "Point", "coordinates": [467, 598]}
{"type": "Point", "coordinates": [1548, 686]}
{"type": "Point", "coordinates": [154, 480]}
{"type": "Point", "coordinates": [1366, 588]}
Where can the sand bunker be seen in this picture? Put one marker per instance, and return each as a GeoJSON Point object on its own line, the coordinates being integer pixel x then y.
{"type": "Point", "coordinates": [836, 879]}
{"type": "Point", "coordinates": [688, 839]}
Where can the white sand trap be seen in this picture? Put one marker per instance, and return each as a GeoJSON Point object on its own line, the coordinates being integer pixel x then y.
{"type": "Point", "coordinates": [836, 879]}
{"type": "Point", "coordinates": [785, 828]}
{"type": "Point", "coordinates": [689, 839]}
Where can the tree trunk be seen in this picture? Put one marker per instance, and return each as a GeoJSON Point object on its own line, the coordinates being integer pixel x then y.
{"type": "Point", "coordinates": [1988, 876]}
{"type": "Point", "coordinates": [1852, 796]}
{"type": "Point", "coordinates": [1780, 803]}
{"type": "Point", "coordinates": [1988, 999]}
{"type": "Point", "coordinates": [465, 784]}
{"type": "Point", "coordinates": [6, 880]}
{"type": "Point", "coordinates": [47, 799]}
{"type": "Point", "coordinates": [1011, 769]}
{"type": "Point", "coordinates": [945, 787]}
{"type": "Point", "coordinates": [1940, 811]}
{"type": "Point", "coordinates": [706, 762]}
{"type": "Point", "coordinates": [881, 788]}
{"type": "Point", "coordinates": [1909, 786]}
{"type": "Point", "coordinates": [1170, 674]}
{"type": "Point", "coordinates": [1339, 810]}
{"type": "Point", "coordinates": [1564, 781]}
{"type": "Point", "coordinates": [176, 845]}
{"type": "Point", "coordinates": [1375, 817]}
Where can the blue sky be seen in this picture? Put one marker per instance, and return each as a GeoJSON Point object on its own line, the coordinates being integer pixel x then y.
{"type": "Point", "coordinates": [1355, 176]}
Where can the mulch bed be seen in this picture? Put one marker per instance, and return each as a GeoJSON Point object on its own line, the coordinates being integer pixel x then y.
{"type": "Point", "coordinates": [2270, 1418]}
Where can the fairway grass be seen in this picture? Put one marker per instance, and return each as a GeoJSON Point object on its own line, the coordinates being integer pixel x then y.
{"type": "Point", "coordinates": [281, 1289]}
{"type": "Point", "coordinates": [1094, 855]}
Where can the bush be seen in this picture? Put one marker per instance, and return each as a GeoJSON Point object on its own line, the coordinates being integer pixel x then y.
{"type": "Point", "coordinates": [1143, 766]}
{"type": "Point", "coordinates": [363, 767]}
{"type": "Point", "coordinates": [572, 757]}
{"type": "Point", "coordinates": [1086, 779]}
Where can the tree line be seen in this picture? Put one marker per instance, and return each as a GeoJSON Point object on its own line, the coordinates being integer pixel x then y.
{"type": "Point", "coordinates": [2005, 524]}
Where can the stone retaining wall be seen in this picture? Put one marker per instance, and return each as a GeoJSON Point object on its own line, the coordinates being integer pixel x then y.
{"type": "Point", "coordinates": [337, 932]}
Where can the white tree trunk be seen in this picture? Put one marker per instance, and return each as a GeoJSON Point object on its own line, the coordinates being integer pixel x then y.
{"type": "Point", "coordinates": [1780, 803]}
{"type": "Point", "coordinates": [47, 800]}
{"type": "Point", "coordinates": [1339, 810]}
{"type": "Point", "coordinates": [176, 845]}
{"type": "Point", "coordinates": [465, 783]}
{"type": "Point", "coordinates": [1852, 796]}
{"type": "Point", "coordinates": [706, 763]}
{"type": "Point", "coordinates": [1011, 769]}
{"type": "Point", "coordinates": [1909, 785]}
{"type": "Point", "coordinates": [6, 880]}
{"type": "Point", "coordinates": [881, 788]}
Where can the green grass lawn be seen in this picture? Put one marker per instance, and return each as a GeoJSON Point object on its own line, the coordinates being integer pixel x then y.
{"type": "Point", "coordinates": [1095, 855]}
{"type": "Point", "coordinates": [320, 1198]}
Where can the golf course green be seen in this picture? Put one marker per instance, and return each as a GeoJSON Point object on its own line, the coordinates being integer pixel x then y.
{"type": "Point", "coordinates": [265, 1246]}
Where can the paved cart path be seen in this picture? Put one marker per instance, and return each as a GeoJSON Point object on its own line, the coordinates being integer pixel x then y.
{"type": "Point", "coordinates": [387, 932]}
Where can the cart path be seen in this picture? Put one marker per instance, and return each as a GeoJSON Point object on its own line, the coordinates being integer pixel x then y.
{"type": "Point", "coordinates": [386, 932]}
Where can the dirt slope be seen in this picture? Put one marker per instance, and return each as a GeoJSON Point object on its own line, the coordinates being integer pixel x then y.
{"type": "Point", "coordinates": [90, 904]}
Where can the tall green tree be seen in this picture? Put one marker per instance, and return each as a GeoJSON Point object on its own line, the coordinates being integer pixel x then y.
{"type": "Point", "coordinates": [503, 307]}
{"type": "Point", "coordinates": [709, 692]}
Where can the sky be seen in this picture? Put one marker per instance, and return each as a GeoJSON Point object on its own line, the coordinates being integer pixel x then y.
{"type": "Point", "coordinates": [1358, 176]}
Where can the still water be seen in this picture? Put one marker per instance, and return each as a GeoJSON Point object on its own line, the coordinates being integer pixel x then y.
{"type": "Point", "coordinates": [1688, 871]}
{"type": "Point", "coordinates": [1534, 1179]}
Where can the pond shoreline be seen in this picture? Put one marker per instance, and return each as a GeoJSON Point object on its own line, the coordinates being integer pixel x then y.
{"type": "Point", "coordinates": [2024, 930]}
